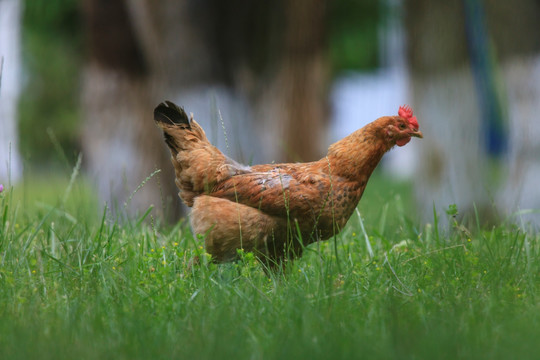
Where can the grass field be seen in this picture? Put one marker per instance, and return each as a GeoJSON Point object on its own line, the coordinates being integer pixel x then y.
{"type": "Point", "coordinates": [76, 284]}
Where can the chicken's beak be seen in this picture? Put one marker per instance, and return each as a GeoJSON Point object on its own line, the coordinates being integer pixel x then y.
{"type": "Point", "coordinates": [416, 133]}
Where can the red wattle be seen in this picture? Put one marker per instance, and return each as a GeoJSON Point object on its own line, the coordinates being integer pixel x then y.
{"type": "Point", "coordinates": [403, 141]}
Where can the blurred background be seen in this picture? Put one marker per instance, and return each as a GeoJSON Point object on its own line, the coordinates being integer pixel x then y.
{"type": "Point", "coordinates": [275, 81]}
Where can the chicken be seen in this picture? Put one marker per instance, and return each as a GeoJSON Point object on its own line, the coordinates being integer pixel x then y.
{"type": "Point", "coordinates": [274, 210]}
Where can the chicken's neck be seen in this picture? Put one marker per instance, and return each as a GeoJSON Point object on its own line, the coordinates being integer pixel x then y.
{"type": "Point", "coordinates": [357, 155]}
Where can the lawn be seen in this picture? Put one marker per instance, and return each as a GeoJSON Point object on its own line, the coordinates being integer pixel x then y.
{"type": "Point", "coordinates": [77, 284]}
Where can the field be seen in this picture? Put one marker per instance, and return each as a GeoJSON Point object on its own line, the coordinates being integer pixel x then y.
{"type": "Point", "coordinates": [77, 284]}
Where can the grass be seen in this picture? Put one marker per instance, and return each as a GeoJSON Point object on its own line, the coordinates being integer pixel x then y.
{"type": "Point", "coordinates": [74, 283]}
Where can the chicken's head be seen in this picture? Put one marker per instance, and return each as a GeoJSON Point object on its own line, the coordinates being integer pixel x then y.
{"type": "Point", "coordinates": [401, 128]}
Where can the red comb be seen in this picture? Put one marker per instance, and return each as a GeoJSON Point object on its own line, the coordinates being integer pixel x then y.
{"type": "Point", "coordinates": [407, 113]}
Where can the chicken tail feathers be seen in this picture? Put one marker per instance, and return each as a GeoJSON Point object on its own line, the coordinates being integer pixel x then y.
{"type": "Point", "coordinates": [198, 164]}
{"type": "Point", "coordinates": [171, 114]}
{"type": "Point", "coordinates": [180, 131]}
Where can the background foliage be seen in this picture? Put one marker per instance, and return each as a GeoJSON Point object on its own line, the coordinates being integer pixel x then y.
{"type": "Point", "coordinates": [53, 50]}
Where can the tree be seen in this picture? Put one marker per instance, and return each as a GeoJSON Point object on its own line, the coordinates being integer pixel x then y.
{"type": "Point", "coordinates": [10, 26]}
{"type": "Point", "coordinates": [457, 92]}
{"type": "Point", "coordinates": [517, 45]}
{"type": "Point", "coordinates": [117, 99]}
{"type": "Point", "coordinates": [452, 162]}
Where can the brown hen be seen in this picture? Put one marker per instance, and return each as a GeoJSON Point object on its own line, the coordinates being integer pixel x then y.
{"type": "Point", "coordinates": [274, 210]}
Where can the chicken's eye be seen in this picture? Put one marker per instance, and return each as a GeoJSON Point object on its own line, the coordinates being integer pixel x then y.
{"type": "Point", "coordinates": [402, 126]}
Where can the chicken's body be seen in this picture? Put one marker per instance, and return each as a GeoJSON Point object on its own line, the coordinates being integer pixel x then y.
{"type": "Point", "coordinates": [273, 210]}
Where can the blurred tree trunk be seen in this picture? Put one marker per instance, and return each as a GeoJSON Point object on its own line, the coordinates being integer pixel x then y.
{"type": "Point", "coordinates": [117, 100]}
{"type": "Point", "coordinates": [291, 99]}
{"type": "Point", "coordinates": [453, 68]}
{"type": "Point", "coordinates": [10, 64]}
{"type": "Point", "coordinates": [274, 54]}
{"type": "Point", "coordinates": [304, 76]}
{"type": "Point", "coordinates": [452, 161]}
{"type": "Point", "coordinates": [142, 52]}
{"type": "Point", "coordinates": [517, 43]}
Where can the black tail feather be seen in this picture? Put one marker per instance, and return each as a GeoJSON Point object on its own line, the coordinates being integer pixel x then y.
{"type": "Point", "coordinates": [170, 113]}
{"type": "Point", "coordinates": [169, 140]}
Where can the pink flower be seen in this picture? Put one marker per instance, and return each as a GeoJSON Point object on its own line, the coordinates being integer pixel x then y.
{"type": "Point", "coordinates": [1, 188]}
